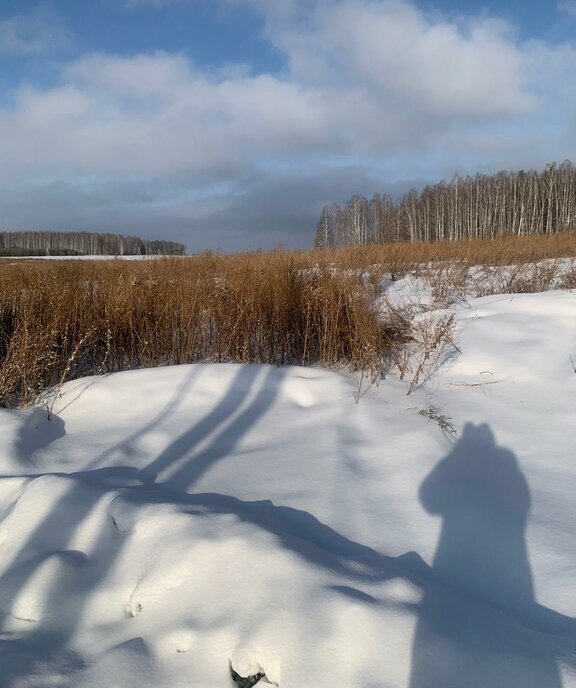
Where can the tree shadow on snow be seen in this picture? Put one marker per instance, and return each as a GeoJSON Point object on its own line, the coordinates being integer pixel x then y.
{"type": "Point", "coordinates": [50, 540]}
{"type": "Point", "coordinates": [181, 465]}
{"type": "Point", "coordinates": [486, 639]}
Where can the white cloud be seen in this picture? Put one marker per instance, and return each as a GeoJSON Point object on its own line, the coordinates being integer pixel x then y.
{"type": "Point", "coordinates": [34, 33]}
{"type": "Point", "coordinates": [380, 85]}
{"type": "Point", "coordinates": [365, 78]}
{"type": "Point", "coordinates": [395, 53]}
{"type": "Point", "coordinates": [156, 75]}
{"type": "Point", "coordinates": [156, 115]}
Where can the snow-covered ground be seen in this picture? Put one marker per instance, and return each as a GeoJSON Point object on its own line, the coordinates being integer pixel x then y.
{"type": "Point", "coordinates": [164, 525]}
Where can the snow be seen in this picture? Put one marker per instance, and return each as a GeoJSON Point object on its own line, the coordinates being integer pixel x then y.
{"type": "Point", "coordinates": [166, 524]}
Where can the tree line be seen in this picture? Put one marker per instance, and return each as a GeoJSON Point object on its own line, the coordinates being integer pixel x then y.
{"type": "Point", "coordinates": [479, 207]}
{"type": "Point", "coordinates": [83, 243]}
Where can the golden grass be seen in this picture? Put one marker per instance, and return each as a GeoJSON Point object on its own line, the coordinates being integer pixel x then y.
{"type": "Point", "coordinates": [502, 251]}
{"type": "Point", "coordinates": [65, 319]}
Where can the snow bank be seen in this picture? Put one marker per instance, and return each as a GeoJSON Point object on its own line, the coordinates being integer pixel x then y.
{"type": "Point", "coordinates": [167, 524]}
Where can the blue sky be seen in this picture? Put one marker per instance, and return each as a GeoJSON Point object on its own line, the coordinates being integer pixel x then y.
{"type": "Point", "coordinates": [230, 123]}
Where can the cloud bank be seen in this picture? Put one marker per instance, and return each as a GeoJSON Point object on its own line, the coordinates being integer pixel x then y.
{"type": "Point", "coordinates": [373, 95]}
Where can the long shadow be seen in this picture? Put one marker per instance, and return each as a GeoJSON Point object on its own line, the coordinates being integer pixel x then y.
{"type": "Point", "coordinates": [189, 473]}
{"type": "Point", "coordinates": [128, 444]}
{"type": "Point", "coordinates": [324, 547]}
{"type": "Point", "coordinates": [296, 530]}
{"type": "Point", "coordinates": [180, 454]}
{"type": "Point", "coordinates": [73, 508]}
{"type": "Point", "coordinates": [60, 524]}
{"type": "Point", "coordinates": [483, 500]}
{"type": "Point", "coordinates": [58, 528]}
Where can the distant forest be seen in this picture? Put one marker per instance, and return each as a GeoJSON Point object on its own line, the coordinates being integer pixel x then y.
{"type": "Point", "coordinates": [83, 244]}
{"type": "Point", "coordinates": [480, 207]}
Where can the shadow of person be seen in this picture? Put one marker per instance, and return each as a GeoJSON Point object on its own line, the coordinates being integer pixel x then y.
{"type": "Point", "coordinates": [477, 618]}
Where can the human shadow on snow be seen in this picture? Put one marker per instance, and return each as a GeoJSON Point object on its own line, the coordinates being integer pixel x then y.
{"type": "Point", "coordinates": [483, 499]}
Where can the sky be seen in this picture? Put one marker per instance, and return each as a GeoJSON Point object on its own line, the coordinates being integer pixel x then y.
{"type": "Point", "coordinates": [230, 124]}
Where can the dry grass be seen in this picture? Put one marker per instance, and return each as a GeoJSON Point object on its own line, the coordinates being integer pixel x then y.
{"type": "Point", "coordinates": [63, 320]}
{"type": "Point", "coordinates": [401, 257]}
{"type": "Point", "coordinates": [60, 320]}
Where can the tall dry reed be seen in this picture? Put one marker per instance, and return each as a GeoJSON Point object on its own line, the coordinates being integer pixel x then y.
{"type": "Point", "coordinates": [63, 320]}
{"type": "Point", "coordinates": [60, 320]}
